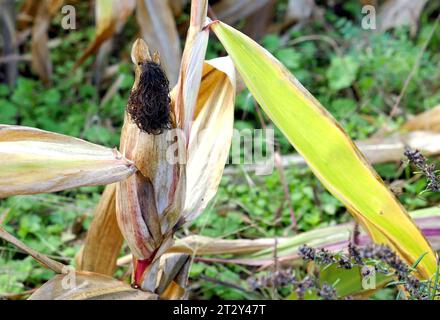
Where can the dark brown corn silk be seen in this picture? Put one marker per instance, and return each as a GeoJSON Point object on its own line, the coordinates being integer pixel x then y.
{"type": "Point", "coordinates": [149, 104]}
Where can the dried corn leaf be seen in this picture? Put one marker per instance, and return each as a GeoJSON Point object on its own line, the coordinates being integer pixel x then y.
{"type": "Point", "coordinates": [189, 81]}
{"type": "Point", "coordinates": [191, 67]}
{"type": "Point", "coordinates": [211, 134]}
{"type": "Point", "coordinates": [104, 239]}
{"type": "Point", "coordinates": [88, 286]}
{"type": "Point", "coordinates": [36, 161]}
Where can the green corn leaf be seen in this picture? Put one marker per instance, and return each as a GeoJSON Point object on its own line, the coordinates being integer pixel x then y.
{"type": "Point", "coordinates": [329, 152]}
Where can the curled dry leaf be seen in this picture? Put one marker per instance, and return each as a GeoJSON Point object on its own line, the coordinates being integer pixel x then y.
{"type": "Point", "coordinates": [189, 81]}
{"type": "Point", "coordinates": [88, 286]}
{"type": "Point", "coordinates": [201, 245]}
{"type": "Point", "coordinates": [37, 161]}
{"type": "Point", "coordinates": [138, 217]}
{"type": "Point", "coordinates": [174, 271]}
{"type": "Point", "coordinates": [211, 135]}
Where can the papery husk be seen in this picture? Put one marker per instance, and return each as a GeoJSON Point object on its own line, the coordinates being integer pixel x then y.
{"type": "Point", "coordinates": [211, 134]}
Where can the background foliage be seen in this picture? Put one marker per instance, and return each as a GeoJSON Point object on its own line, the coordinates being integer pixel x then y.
{"type": "Point", "coordinates": [357, 76]}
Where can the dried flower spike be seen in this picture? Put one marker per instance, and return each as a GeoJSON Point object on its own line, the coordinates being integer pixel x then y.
{"type": "Point", "coordinates": [357, 256]}
{"type": "Point", "coordinates": [427, 169]}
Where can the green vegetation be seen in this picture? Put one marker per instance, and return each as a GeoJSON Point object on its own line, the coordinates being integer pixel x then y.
{"type": "Point", "coordinates": [358, 75]}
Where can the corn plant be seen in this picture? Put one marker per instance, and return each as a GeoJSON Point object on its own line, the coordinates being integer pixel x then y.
{"type": "Point", "coordinates": [149, 197]}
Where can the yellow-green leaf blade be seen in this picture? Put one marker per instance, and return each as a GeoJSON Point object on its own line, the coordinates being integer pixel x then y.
{"type": "Point", "coordinates": [329, 152]}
